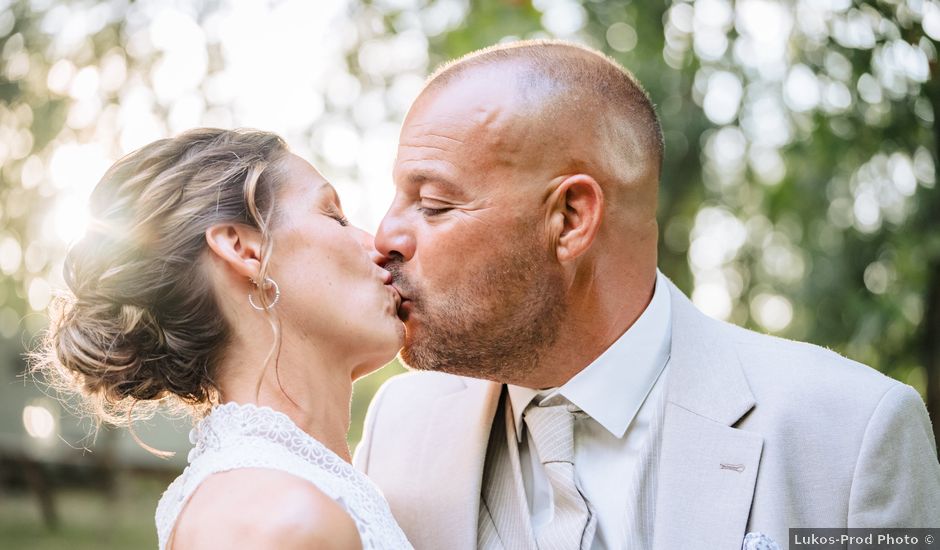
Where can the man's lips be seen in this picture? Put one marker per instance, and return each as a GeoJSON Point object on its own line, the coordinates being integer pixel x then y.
{"type": "Point", "coordinates": [398, 290]}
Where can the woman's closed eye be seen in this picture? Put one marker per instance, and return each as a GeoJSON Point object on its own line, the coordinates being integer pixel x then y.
{"type": "Point", "coordinates": [337, 215]}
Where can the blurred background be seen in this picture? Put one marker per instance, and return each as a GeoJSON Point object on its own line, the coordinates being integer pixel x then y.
{"type": "Point", "coordinates": [799, 193]}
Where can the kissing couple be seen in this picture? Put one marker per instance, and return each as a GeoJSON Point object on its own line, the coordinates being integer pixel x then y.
{"type": "Point", "coordinates": [566, 394]}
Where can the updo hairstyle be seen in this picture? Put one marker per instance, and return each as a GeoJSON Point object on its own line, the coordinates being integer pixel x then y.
{"type": "Point", "coordinates": [141, 324]}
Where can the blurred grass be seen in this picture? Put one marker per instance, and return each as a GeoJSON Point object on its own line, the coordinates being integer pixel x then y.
{"type": "Point", "coordinates": [88, 519]}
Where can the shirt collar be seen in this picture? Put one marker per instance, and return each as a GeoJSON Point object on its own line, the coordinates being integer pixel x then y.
{"type": "Point", "coordinates": [613, 387]}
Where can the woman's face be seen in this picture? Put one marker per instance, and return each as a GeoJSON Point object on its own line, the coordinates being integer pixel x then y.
{"type": "Point", "coordinates": [332, 290]}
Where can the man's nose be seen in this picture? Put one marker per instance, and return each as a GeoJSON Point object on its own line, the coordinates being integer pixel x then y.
{"type": "Point", "coordinates": [395, 236]}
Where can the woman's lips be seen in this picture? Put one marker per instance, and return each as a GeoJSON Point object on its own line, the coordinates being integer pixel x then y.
{"type": "Point", "coordinates": [404, 306]}
{"type": "Point", "coordinates": [396, 296]}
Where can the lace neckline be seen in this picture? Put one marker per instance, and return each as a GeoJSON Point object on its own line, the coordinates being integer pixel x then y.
{"type": "Point", "coordinates": [251, 420]}
{"type": "Point", "coordinates": [245, 435]}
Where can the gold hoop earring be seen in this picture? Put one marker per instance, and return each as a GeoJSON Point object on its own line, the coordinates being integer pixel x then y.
{"type": "Point", "coordinates": [277, 294]}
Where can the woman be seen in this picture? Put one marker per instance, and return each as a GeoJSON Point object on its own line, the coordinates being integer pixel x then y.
{"type": "Point", "coordinates": [220, 273]}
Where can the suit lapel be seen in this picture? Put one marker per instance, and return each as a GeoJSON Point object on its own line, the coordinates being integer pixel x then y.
{"type": "Point", "coordinates": [451, 465]}
{"type": "Point", "coordinates": [707, 475]}
{"type": "Point", "coordinates": [707, 468]}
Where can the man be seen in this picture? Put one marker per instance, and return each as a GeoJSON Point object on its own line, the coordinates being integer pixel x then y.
{"type": "Point", "coordinates": [569, 396]}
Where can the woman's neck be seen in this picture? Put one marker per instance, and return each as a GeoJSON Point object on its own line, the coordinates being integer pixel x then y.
{"type": "Point", "coordinates": [313, 390]}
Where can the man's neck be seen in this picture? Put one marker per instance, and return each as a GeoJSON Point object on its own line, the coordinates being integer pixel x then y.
{"type": "Point", "coordinates": [593, 324]}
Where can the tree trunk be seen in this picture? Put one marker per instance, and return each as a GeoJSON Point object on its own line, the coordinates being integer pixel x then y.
{"type": "Point", "coordinates": [931, 346]}
{"type": "Point", "coordinates": [930, 337]}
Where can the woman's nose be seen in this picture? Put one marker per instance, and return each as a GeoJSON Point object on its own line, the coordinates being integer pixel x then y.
{"type": "Point", "coordinates": [367, 241]}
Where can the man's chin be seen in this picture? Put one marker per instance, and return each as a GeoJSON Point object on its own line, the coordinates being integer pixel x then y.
{"type": "Point", "coordinates": [405, 361]}
{"type": "Point", "coordinates": [413, 359]}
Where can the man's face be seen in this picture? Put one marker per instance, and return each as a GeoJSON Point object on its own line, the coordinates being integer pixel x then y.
{"type": "Point", "coordinates": [466, 237]}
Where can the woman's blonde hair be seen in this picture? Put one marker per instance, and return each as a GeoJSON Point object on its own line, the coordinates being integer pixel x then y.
{"type": "Point", "coordinates": [141, 324]}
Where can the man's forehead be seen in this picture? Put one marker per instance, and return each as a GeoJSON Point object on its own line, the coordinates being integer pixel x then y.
{"type": "Point", "coordinates": [487, 126]}
{"type": "Point", "coordinates": [463, 115]}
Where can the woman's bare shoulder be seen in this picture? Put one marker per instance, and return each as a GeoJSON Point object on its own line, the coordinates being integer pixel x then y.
{"type": "Point", "coordinates": [263, 508]}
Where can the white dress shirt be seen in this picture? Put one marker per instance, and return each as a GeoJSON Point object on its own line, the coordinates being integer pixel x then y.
{"type": "Point", "coordinates": [616, 392]}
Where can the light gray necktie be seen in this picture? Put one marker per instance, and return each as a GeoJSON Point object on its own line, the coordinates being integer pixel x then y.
{"type": "Point", "coordinates": [573, 523]}
{"type": "Point", "coordinates": [504, 522]}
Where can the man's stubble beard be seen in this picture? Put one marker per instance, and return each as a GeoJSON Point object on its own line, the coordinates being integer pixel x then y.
{"type": "Point", "coordinates": [499, 326]}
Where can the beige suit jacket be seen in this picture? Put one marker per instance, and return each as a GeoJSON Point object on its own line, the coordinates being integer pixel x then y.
{"type": "Point", "coordinates": [807, 439]}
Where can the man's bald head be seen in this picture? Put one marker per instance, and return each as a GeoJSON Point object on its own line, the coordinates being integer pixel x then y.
{"type": "Point", "coordinates": [581, 108]}
{"type": "Point", "coordinates": [546, 70]}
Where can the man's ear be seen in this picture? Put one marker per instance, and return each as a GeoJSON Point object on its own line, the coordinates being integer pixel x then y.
{"type": "Point", "coordinates": [238, 246]}
{"type": "Point", "coordinates": [577, 210]}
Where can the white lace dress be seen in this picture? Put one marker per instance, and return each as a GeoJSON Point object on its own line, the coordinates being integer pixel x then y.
{"type": "Point", "coordinates": [247, 436]}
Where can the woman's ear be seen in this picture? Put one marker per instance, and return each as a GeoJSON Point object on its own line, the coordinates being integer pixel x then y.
{"type": "Point", "coordinates": [577, 210]}
{"type": "Point", "coordinates": [238, 246]}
